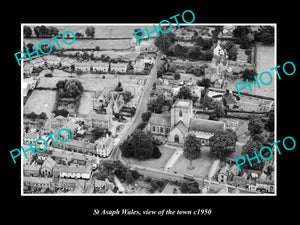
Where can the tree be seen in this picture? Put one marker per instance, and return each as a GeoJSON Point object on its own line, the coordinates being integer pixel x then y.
{"type": "Point", "coordinates": [184, 93]}
{"type": "Point", "coordinates": [245, 42]}
{"type": "Point", "coordinates": [159, 73]}
{"type": "Point", "coordinates": [239, 31]}
{"type": "Point", "coordinates": [249, 149]}
{"type": "Point", "coordinates": [231, 50]}
{"type": "Point", "coordinates": [90, 32]}
{"type": "Point", "coordinates": [128, 177]}
{"type": "Point", "coordinates": [73, 88]}
{"type": "Point", "coordinates": [146, 116]}
{"type": "Point", "coordinates": [27, 31]}
{"type": "Point", "coordinates": [156, 105]}
{"type": "Point", "coordinates": [248, 74]}
{"type": "Point", "coordinates": [44, 31]}
{"type": "Point", "coordinates": [189, 187]}
{"type": "Point", "coordinates": [205, 44]}
{"type": "Point", "coordinates": [99, 132]}
{"type": "Point", "coordinates": [119, 87]}
{"type": "Point", "coordinates": [30, 47]}
{"type": "Point", "coordinates": [255, 125]}
{"type": "Point", "coordinates": [127, 96]}
{"type": "Point", "coordinates": [164, 41]}
{"type": "Point", "coordinates": [179, 50]}
{"type": "Point", "coordinates": [269, 125]}
{"type": "Point", "coordinates": [205, 82]}
{"type": "Point", "coordinates": [192, 148]}
{"type": "Point", "coordinates": [206, 55]}
{"type": "Point", "coordinates": [156, 153]}
{"type": "Point", "coordinates": [80, 35]}
{"type": "Point", "coordinates": [139, 145]}
{"type": "Point", "coordinates": [216, 31]}
{"type": "Point", "coordinates": [194, 53]}
{"type": "Point", "coordinates": [176, 76]}
{"type": "Point", "coordinates": [37, 31]}
{"type": "Point", "coordinates": [219, 110]}
{"type": "Point", "coordinates": [53, 31]}
{"type": "Point", "coordinates": [222, 143]}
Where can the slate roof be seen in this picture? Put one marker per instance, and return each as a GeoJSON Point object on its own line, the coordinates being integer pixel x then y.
{"type": "Point", "coordinates": [160, 119]}
{"type": "Point", "coordinates": [206, 125]}
{"type": "Point", "coordinates": [72, 169]}
{"type": "Point", "coordinates": [181, 127]}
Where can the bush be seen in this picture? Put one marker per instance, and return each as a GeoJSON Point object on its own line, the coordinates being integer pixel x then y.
{"type": "Point", "coordinates": [176, 76]}
{"type": "Point", "coordinates": [156, 153]}
{"type": "Point", "coordinates": [248, 74]}
{"type": "Point", "coordinates": [49, 75]}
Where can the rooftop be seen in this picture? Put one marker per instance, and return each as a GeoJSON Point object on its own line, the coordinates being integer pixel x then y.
{"type": "Point", "coordinates": [206, 125]}
{"type": "Point", "coordinates": [182, 103]}
{"type": "Point", "coordinates": [160, 119]}
{"type": "Point", "coordinates": [72, 169]}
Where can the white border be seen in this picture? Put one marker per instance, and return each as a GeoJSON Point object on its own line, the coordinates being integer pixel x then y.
{"type": "Point", "coordinates": [149, 24]}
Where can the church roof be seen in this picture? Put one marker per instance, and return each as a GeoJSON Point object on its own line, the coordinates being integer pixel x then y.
{"type": "Point", "coordinates": [160, 119]}
{"type": "Point", "coordinates": [181, 127]}
{"type": "Point", "coordinates": [182, 103]}
{"type": "Point", "coordinates": [206, 125]}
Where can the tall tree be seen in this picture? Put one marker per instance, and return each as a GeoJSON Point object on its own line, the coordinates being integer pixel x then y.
{"type": "Point", "coordinates": [184, 93]}
{"type": "Point", "coordinates": [249, 149]}
{"type": "Point", "coordinates": [192, 148]}
{"type": "Point", "coordinates": [222, 143]}
{"type": "Point", "coordinates": [37, 31]}
{"type": "Point", "coordinates": [269, 126]}
{"type": "Point", "coordinates": [44, 31]}
{"type": "Point", "coordinates": [53, 31]}
{"type": "Point", "coordinates": [90, 32]}
{"type": "Point", "coordinates": [164, 41]}
{"type": "Point", "coordinates": [255, 125]}
{"type": "Point", "coordinates": [139, 145]}
{"type": "Point", "coordinates": [27, 31]}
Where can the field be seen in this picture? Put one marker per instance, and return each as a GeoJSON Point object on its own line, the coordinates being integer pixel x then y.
{"type": "Point", "coordinates": [86, 104]}
{"type": "Point", "coordinates": [40, 101]}
{"type": "Point", "coordinates": [91, 82]}
{"type": "Point", "coordinates": [103, 31]}
{"type": "Point", "coordinates": [264, 62]}
{"type": "Point", "coordinates": [154, 163]}
{"type": "Point", "coordinates": [202, 164]}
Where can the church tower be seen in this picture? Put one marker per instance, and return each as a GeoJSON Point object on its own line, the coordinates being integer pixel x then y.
{"type": "Point", "coordinates": [182, 110]}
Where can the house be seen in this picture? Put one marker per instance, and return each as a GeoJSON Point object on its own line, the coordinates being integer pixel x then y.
{"type": "Point", "coordinates": [32, 170]}
{"type": "Point", "coordinates": [104, 146]}
{"type": "Point", "coordinates": [138, 67]}
{"type": "Point", "coordinates": [99, 66]}
{"type": "Point", "coordinates": [57, 122]}
{"type": "Point", "coordinates": [118, 67]}
{"type": "Point", "coordinates": [27, 69]}
{"type": "Point", "coordinates": [100, 186]}
{"type": "Point", "coordinates": [38, 63]}
{"type": "Point", "coordinates": [219, 51]}
{"type": "Point", "coordinates": [47, 167]}
{"type": "Point", "coordinates": [52, 61]}
{"type": "Point", "coordinates": [77, 146]}
{"type": "Point", "coordinates": [222, 176]}
{"type": "Point", "coordinates": [99, 120]}
{"type": "Point", "coordinates": [159, 124]}
{"type": "Point", "coordinates": [30, 138]}
{"type": "Point", "coordinates": [79, 172]}
{"type": "Point", "coordinates": [67, 63]}
{"type": "Point", "coordinates": [229, 100]}
{"type": "Point", "coordinates": [38, 182]}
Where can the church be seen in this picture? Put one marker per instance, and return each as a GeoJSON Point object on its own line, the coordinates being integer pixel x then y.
{"type": "Point", "coordinates": [180, 122]}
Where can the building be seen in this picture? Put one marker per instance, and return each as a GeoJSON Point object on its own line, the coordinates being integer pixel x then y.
{"type": "Point", "coordinates": [99, 120]}
{"type": "Point", "coordinates": [219, 51]}
{"type": "Point", "coordinates": [27, 70]}
{"type": "Point", "coordinates": [104, 146]}
{"type": "Point", "coordinates": [222, 176]}
{"type": "Point", "coordinates": [32, 170]}
{"type": "Point", "coordinates": [57, 122]}
{"type": "Point", "coordinates": [30, 138]}
{"type": "Point", "coordinates": [160, 123]}
{"type": "Point", "coordinates": [79, 172]}
{"type": "Point", "coordinates": [47, 167]}
{"type": "Point", "coordinates": [181, 122]}
{"type": "Point", "coordinates": [118, 67]}
{"type": "Point", "coordinates": [77, 146]}
{"type": "Point", "coordinates": [37, 182]}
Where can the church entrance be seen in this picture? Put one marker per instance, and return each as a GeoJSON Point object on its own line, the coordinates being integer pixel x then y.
{"type": "Point", "coordinates": [176, 138]}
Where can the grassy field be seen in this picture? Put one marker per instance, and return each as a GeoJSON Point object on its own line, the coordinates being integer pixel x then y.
{"type": "Point", "coordinates": [91, 82]}
{"type": "Point", "coordinates": [202, 164]}
{"type": "Point", "coordinates": [154, 163]}
{"type": "Point", "coordinates": [40, 101]}
{"type": "Point", "coordinates": [86, 104]}
{"type": "Point", "coordinates": [103, 31]}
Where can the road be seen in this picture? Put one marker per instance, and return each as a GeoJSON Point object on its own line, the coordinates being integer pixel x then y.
{"type": "Point", "coordinates": [141, 107]}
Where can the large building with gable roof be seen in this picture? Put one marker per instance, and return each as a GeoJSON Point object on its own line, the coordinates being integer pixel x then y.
{"type": "Point", "coordinates": [180, 122]}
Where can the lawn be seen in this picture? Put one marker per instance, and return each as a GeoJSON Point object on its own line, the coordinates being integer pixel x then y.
{"type": "Point", "coordinates": [86, 103]}
{"type": "Point", "coordinates": [154, 163]}
{"type": "Point", "coordinates": [202, 164]}
{"type": "Point", "coordinates": [40, 101]}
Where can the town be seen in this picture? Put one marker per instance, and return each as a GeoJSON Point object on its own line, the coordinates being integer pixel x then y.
{"type": "Point", "coordinates": [160, 116]}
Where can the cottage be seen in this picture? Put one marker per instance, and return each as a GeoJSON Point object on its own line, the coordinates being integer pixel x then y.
{"type": "Point", "coordinates": [77, 146]}
{"type": "Point", "coordinates": [118, 67]}
{"type": "Point", "coordinates": [32, 170]}
{"type": "Point", "coordinates": [84, 67]}
{"type": "Point", "coordinates": [222, 176]}
{"type": "Point", "coordinates": [80, 172]}
{"type": "Point", "coordinates": [47, 167]}
{"type": "Point", "coordinates": [104, 146]}
{"type": "Point", "coordinates": [39, 182]}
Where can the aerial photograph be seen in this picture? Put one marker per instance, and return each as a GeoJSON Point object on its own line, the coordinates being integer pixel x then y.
{"type": "Point", "coordinates": [117, 111]}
